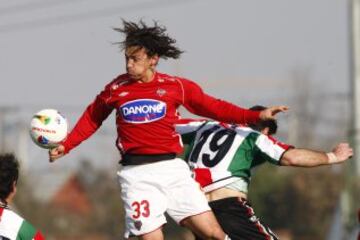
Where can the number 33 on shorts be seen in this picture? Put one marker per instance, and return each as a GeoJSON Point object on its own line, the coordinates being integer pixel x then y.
{"type": "Point", "coordinates": [141, 209]}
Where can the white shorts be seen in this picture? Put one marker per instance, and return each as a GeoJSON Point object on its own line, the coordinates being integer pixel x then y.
{"type": "Point", "coordinates": [150, 190]}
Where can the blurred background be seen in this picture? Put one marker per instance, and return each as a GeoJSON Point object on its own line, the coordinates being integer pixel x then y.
{"type": "Point", "coordinates": [304, 54]}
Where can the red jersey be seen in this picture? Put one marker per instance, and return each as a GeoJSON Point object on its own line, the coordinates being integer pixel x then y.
{"type": "Point", "coordinates": [146, 113]}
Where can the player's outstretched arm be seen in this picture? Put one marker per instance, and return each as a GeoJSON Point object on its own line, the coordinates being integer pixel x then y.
{"type": "Point", "coordinates": [56, 153]}
{"type": "Point", "coordinates": [270, 112]}
{"type": "Point", "coordinates": [309, 158]}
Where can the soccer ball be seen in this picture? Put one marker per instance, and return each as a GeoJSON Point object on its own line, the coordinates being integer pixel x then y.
{"type": "Point", "coordinates": [48, 128]}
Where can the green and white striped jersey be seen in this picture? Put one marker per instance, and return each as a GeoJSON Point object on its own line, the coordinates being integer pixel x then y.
{"type": "Point", "coordinates": [14, 227]}
{"type": "Point", "coordinates": [221, 154]}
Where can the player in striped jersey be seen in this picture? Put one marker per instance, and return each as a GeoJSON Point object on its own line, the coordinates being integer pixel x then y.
{"type": "Point", "coordinates": [222, 156]}
{"type": "Point", "coordinates": [12, 226]}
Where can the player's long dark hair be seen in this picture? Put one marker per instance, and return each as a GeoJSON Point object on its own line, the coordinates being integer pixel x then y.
{"type": "Point", "coordinates": [9, 173]}
{"type": "Point", "coordinates": [153, 39]}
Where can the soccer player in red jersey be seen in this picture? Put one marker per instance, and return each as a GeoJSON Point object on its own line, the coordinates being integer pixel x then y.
{"type": "Point", "coordinates": [152, 179]}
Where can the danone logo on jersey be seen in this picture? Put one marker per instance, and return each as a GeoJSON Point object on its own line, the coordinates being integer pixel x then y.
{"type": "Point", "coordinates": [143, 110]}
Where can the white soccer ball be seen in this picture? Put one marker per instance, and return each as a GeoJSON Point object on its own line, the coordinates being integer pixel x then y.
{"type": "Point", "coordinates": [48, 128]}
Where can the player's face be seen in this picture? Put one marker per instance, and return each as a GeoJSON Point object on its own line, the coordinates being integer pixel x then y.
{"type": "Point", "coordinates": [138, 64]}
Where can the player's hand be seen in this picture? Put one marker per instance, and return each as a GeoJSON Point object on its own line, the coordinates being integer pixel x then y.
{"type": "Point", "coordinates": [56, 153]}
{"type": "Point", "coordinates": [270, 112]}
{"type": "Point", "coordinates": [342, 151]}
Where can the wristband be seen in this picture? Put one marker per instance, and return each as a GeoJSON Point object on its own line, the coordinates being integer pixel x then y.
{"type": "Point", "coordinates": [332, 157]}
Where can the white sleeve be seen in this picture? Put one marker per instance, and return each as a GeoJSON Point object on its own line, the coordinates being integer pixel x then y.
{"type": "Point", "coordinates": [271, 149]}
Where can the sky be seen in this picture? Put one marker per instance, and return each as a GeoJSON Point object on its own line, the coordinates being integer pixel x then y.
{"type": "Point", "coordinates": [61, 53]}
